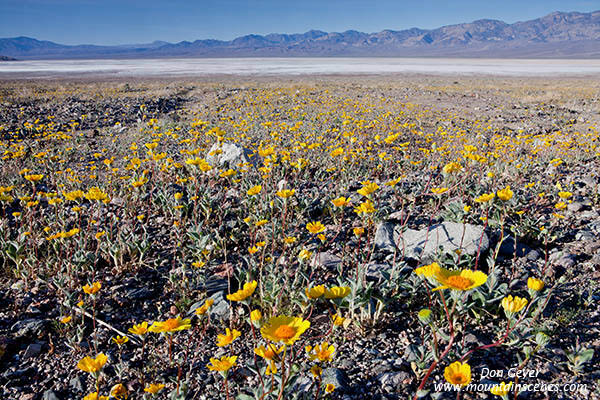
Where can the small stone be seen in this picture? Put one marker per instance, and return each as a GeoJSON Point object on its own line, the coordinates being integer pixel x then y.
{"type": "Point", "coordinates": [32, 350]}
{"type": "Point", "coordinates": [507, 248]}
{"type": "Point", "coordinates": [395, 379]}
{"type": "Point", "coordinates": [230, 155]}
{"type": "Point", "coordinates": [77, 383]}
{"type": "Point", "coordinates": [575, 206]}
{"type": "Point", "coordinates": [220, 308]}
{"type": "Point", "coordinates": [327, 260]}
{"type": "Point", "coordinates": [335, 376]}
{"type": "Point", "coordinates": [30, 327]}
{"type": "Point", "coordinates": [49, 395]}
{"type": "Point", "coordinates": [425, 244]}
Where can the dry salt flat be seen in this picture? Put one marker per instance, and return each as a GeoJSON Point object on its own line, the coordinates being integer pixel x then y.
{"type": "Point", "coordinates": [296, 66]}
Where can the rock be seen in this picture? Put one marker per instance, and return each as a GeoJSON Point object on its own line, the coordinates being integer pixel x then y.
{"type": "Point", "coordinates": [216, 284]}
{"type": "Point", "coordinates": [32, 350]}
{"type": "Point", "coordinates": [139, 294]}
{"type": "Point", "coordinates": [327, 260]}
{"type": "Point", "coordinates": [378, 272]}
{"type": "Point", "coordinates": [563, 260]}
{"type": "Point", "coordinates": [533, 255]}
{"type": "Point", "coordinates": [395, 379]}
{"type": "Point", "coordinates": [424, 244]}
{"type": "Point", "coordinates": [77, 383]}
{"type": "Point", "coordinates": [30, 327]}
{"type": "Point", "coordinates": [575, 206]}
{"type": "Point", "coordinates": [335, 376]}
{"type": "Point", "coordinates": [584, 235]}
{"type": "Point", "coordinates": [220, 308]}
{"type": "Point", "coordinates": [596, 259]}
{"type": "Point", "coordinates": [507, 248]}
{"type": "Point", "coordinates": [229, 155]}
{"type": "Point", "coordinates": [49, 395]}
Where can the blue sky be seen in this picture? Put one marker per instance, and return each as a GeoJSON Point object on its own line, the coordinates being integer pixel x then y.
{"type": "Point", "coordinates": [142, 21]}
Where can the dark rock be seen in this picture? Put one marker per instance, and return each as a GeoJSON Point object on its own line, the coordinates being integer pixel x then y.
{"type": "Point", "coordinates": [77, 383]}
{"type": "Point", "coordinates": [49, 395]}
{"type": "Point", "coordinates": [32, 350]}
{"type": "Point", "coordinates": [395, 379]}
{"type": "Point", "coordinates": [30, 327]}
{"type": "Point", "coordinates": [335, 376]}
{"type": "Point", "coordinates": [220, 308]}
{"type": "Point", "coordinates": [216, 284]}
{"type": "Point", "coordinates": [507, 248]}
{"type": "Point", "coordinates": [327, 260]}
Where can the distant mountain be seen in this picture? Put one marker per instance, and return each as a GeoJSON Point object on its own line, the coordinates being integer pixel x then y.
{"type": "Point", "coordinates": [5, 58]}
{"type": "Point", "coordinates": [557, 35]}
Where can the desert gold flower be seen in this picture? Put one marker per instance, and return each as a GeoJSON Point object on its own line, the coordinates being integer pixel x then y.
{"type": "Point", "coordinates": [254, 190]}
{"type": "Point", "coordinates": [513, 304]}
{"type": "Point", "coordinates": [484, 198]}
{"type": "Point", "coordinates": [565, 195]}
{"type": "Point", "coordinates": [137, 183]}
{"type": "Point", "coordinates": [204, 308]}
{"type": "Point", "coordinates": [154, 388]}
{"type": "Point", "coordinates": [228, 337]}
{"type": "Point", "coordinates": [170, 325]}
{"type": "Point", "coordinates": [358, 231]}
{"type": "Point", "coordinates": [535, 284]}
{"type": "Point", "coordinates": [222, 365]}
{"type": "Point", "coordinates": [322, 352]}
{"type": "Point", "coordinates": [315, 292]}
{"type": "Point", "coordinates": [337, 292]}
{"type": "Point", "coordinates": [94, 396]}
{"type": "Point", "coordinates": [465, 279]}
{"type": "Point", "coordinates": [338, 320]}
{"type": "Point", "coordinates": [316, 370]}
{"type": "Point", "coordinates": [34, 178]}
{"type": "Point", "coordinates": [290, 240]}
{"type": "Point", "coordinates": [368, 188]}
{"type": "Point", "coordinates": [261, 222]}
{"type": "Point", "coordinates": [560, 205]}
{"type": "Point", "coordinates": [304, 254]}
{"type": "Point", "coordinates": [365, 207]}
{"type": "Point", "coordinates": [285, 193]}
{"type": "Point", "coordinates": [452, 167]}
{"type": "Point", "coordinates": [97, 194]}
{"type": "Point", "coordinates": [329, 388]}
{"type": "Point", "coordinates": [439, 190]}
{"type": "Point", "coordinates": [140, 329]}
{"type": "Point", "coordinates": [428, 270]}
{"type": "Point", "coordinates": [92, 365]}
{"type": "Point", "coordinates": [120, 340]}
{"type": "Point", "coordinates": [252, 249]}
{"type": "Point", "coordinates": [66, 320]}
{"type": "Point", "coordinates": [505, 194]}
{"type": "Point", "coordinates": [255, 315]}
{"type": "Point", "coordinates": [458, 373]}
{"type": "Point", "coordinates": [243, 293]}
{"type": "Point", "coordinates": [501, 389]}
{"type": "Point", "coordinates": [269, 353]}
{"type": "Point", "coordinates": [93, 288]}
{"type": "Point", "coordinates": [315, 227]}
{"type": "Point", "coordinates": [119, 392]}
{"type": "Point", "coordinates": [340, 201]}
{"type": "Point", "coordinates": [284, 329]}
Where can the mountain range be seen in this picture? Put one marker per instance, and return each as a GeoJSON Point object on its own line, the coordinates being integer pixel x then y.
{"type": "Point", "coordinates": [557, 35]}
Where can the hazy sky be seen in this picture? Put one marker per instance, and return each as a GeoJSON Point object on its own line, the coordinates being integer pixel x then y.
{"type": "Point", "coordinates": [142, 21]}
